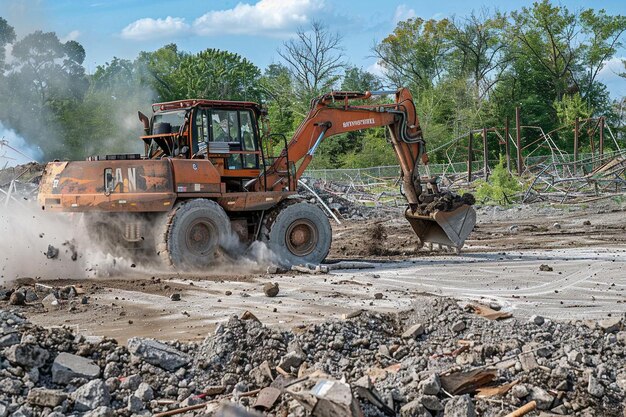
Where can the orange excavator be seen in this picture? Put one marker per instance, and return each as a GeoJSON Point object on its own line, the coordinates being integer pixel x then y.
{"type": "Point", "coordinates": [205, 176]}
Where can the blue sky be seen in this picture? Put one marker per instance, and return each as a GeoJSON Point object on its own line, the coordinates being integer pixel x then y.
{"type": "Point", "coordinates": [252, 28]}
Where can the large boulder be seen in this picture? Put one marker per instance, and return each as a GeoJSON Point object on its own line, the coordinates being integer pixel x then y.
{"type": "Point", "coordinates": [157, 353]}
{"type": "Point", "coordinates": [67, 367]}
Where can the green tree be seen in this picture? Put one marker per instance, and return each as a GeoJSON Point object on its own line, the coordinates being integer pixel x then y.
{"type": "Point", "coordinates": [7, 36]}
{"type": "Point", "coordinates": [415, 54]}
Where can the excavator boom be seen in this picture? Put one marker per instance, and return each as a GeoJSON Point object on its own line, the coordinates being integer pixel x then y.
{"type": "Point", "coordinates": [336, 113]}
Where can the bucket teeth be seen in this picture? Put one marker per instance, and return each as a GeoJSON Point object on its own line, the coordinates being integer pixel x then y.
{"type": "Point", "coordinates": [444, 228]}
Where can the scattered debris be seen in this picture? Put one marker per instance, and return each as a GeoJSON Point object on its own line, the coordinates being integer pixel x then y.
{"type": "Point", "coordinates": [270, 289]}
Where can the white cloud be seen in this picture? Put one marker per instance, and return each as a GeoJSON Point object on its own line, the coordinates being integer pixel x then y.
{"type": "Point", "coordinates": [376, 69]}
{"type": "Point", "coordinates": [403, 13]}
{"type": "Point", "coordinates": [609, 75]}
{"type": "Point", "coordinates": [265, 17]}
{"type": "Point", "coordinates": [270, 17]}
{"type": "Point", "coordinates": [72, 36]}
{"type": "Point", "coordinates": [148, 28]}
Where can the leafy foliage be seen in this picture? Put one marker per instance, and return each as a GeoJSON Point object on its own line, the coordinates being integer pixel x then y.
{"type": "Point", "coordinates": [501, 187]}
{"type": "Point", "coordinates": [464, 72]}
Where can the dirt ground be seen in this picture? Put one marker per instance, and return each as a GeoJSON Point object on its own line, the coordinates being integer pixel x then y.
{"type": "Point", "coordinates": [585, 245]}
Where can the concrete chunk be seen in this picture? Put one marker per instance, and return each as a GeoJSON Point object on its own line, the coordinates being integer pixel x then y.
{"type": "Point", "coordinates": [46, 397]}
{"type": "Point", "coordinates": [413, 332]}
{"type": "Point", "coordinates": [92, 395]}
{"type": "Point", "coordinates": [67, 367]}
{"type": "Point", "coordinates": [157, 353]}
{"type": "Point", "coordinates": [27, 355]}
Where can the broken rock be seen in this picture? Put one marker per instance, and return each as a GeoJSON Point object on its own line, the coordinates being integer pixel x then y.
{"type": "Point", "coordinates": [157, 353]}
{"type": "Point", "coordinates": [461, 406]}
{"type": "Point", "coordinates": [67, 367]}
{"type": "Point", "coordinates": [92, 395]}
{"type": "Point", "coordinates": [52, 252]}
{"type": "Point", "coordinates": [17, 298]}
{"type": "Point", "coordinates": [270, 289]}
{"type": "Point", "coordinates": [46, 397]}
{"type": "Point", "coordinates": [431, 385]}
{"type": "Point", "coordinates": [27, 355]}
{"type": "Point", "coordinates": [413, 332]}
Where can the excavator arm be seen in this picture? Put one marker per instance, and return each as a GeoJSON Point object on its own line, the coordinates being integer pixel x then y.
{"type": "Point", "coordinates": [446, 223]}
{"type": "Point", "coordinates": [333, 114]}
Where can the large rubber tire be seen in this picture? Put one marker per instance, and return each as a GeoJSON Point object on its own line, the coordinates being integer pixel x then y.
{"type": "Point", "coordinates": [297, 233]}
{"type": "Point", "coordinates": [193, 232]}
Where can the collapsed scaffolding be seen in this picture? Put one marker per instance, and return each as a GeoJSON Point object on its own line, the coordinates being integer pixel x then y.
{"type": "Point", "coordinates": [545, 171]}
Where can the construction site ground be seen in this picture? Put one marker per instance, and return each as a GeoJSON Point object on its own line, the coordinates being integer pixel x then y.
{"type": "Point", "coordinates": [582, 249]}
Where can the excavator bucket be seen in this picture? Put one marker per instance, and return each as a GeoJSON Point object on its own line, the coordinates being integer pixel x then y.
{"type": "Point", "coordinates": [445, 228]}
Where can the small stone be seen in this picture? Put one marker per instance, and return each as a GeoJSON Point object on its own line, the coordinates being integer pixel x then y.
{"type": "Point", "coordinates": [413, 332]}
{"type": "Point", "coordinates": [291, 360]}
{"type": "Point", "coordinates": [135, 404]}
{"type": "Point", "coordinates": [9, 339]}
{"type": "Point", "coordinates": [270, 289]}
{"type": "Point", "coordinates": [574, 357]}
{"type": "Point", "coordinates": [586, 223]}
{"type": "Point", "coordinates": [432, 403]}
{"type": "Point", "coordinates": [545, 268]}
{"type": "Point", "coordinates": [50, 300]}
{"type": "Point", "coordinates": [595, 388]}
{"type": "Point", "coordinates": [144, 392]}
{"type": "Point", "coordinates": [528, 361]}
{"type": "Point", "coordinates": [46, 397]}
{"type": "Point", "coordinates": [228, 293]}
{"type": "Point", "coordinates": [611, 325]}
{"type": "Point", "coordinates": [431, 385]}
{"type": "Point", "coordinates": [414, 408]}
{"type": "Point", "coordinates": [460, 406]}
{"type": "Point", "coordinates": [378, 296]}
{"type": "Point", "coordinates": [459, 326]}
{"type": "Point", "coordinates": [18, 298]}
{"type": "Point", "coordinates": [538, 320]}
{"type": "Point", "coordinates": [131, 382]}
{"type": "Point", "coordinates": [175, 297]}
{"type": "Point", "coordinates": [102, 411]}
{"type": "Point", "coordinates": [52, 252]}
{"type": "Point", "coordinates": [519, 391]}
{"type": "Point", "coordinates": [543, 399]}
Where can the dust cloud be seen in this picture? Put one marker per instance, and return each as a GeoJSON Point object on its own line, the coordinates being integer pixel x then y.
{"type": "Point", "coordinates": [25, 236]}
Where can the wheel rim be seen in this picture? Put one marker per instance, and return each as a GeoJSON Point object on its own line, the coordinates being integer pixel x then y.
{"type": "Point", "coordinates": [301, 237]}
{"type": "Point", "coordinates": [201, 237]}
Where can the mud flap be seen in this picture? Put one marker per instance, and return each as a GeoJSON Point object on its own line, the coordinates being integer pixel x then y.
{"type": "Point", "coordinates": [447, 228]}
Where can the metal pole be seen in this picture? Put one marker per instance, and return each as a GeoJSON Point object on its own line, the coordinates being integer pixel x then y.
{"type": "Point", "coordinates": [601, 147]}
{"type": "Point", "coordinates": [485, 155]}
{"type": "Point", "coordinates": [507, 145]}
{"type": "Point", "coordinates": [518, 133]}
{"type": "Point", "coordinates": [576, 133]}
{"type": "Point", "coordinates": [470, 154]}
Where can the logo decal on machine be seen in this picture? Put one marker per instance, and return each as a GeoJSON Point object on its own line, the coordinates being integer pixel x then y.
{"type": "Point", "coordinates": [361, 122]}
{"type": "Point", "coordinates": [132, 178]}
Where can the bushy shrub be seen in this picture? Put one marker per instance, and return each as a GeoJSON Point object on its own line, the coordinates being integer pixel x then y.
{"type": "Point", "coordinates": [501, 187]}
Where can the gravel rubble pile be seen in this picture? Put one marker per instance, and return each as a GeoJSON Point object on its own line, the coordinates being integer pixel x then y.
{"type": "Point", "coordinates": [431, 361]}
